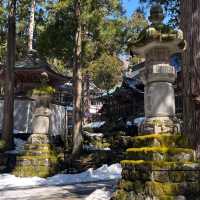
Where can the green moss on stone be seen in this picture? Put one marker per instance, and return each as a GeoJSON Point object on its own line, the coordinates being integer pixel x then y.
{"type": "Point", "coordinates": [136, 186]}
{"type": "Point", "coordinates": [160, 150]}
{"type": "Point", "coordinates": [31, 171]}
{"type": "Point", "coordinates": [43, 90]}
{"type": "Point", "coordinates": [163, 140]}
{"type": "Point", "coordinates": [161, 153]}
{"type": "Point", "coordinates": [2, 145]}
{"type": "Point", "coordinates": [172, 189]}
{"type": "Point", "coordinates": [159, 165]}
{"type": "Point", "coordinates": [166, 198]}
{"type": "Point", "coordinates": [121, 195]}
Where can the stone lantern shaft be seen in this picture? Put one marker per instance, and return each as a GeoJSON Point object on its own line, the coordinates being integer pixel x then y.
{"type": "Point", "coordinates": [158, 80]}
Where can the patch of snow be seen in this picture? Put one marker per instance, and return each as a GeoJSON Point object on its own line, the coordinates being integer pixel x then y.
{"type": "Point", "coordinates": [138, 121]}
{"type": "Point", "coordinates": [100, 194]}
{"type": "Point", "coordinates": [129, 123]}
{"type": "Point", "coordinates": [91, 147]}
{"type": "Point", "coordinates": [69, 108]}
{"type": "Point", "coordinates": [15, 131]}
{"type": "Point", "coordinates": [19, 146]}
{"type": "Point", "coordinates": [95, 124]}
{"type": "Point", "coordinates": [103, 173]}
{"type": "Point", "coordinates": [95, 108]}
{"type": "Point", "coordinates": [8, 181]}
{"type": "Point", "coordinates": [93, 134]}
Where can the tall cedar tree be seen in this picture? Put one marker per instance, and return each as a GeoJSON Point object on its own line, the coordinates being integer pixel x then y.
{"type": "Point", "coordinates": [77, 83]}
{"type": "Point", "coordinates": [7, 134]}
{"type": "Point", "coordinates": [190, 25]}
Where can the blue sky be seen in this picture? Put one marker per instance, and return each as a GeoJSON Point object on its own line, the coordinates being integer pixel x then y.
{"type": "Point", "coordinates": [130, 6]}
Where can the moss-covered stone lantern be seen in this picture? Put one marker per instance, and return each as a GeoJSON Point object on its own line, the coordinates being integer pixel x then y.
{"type": "Point", "coordinates": [157, 43]}
{"type": "Point", "coordinates": [161, 165]}
{"type": "Point", "coordinates": [39, 157]}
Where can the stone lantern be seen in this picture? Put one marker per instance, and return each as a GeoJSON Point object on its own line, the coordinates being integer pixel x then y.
{"type": "Point", "coordinates": [156, 44]}
{"type": "Point", "coordinates": [160, 165]}
{"type": "Point", "coordinates": [39, 157]}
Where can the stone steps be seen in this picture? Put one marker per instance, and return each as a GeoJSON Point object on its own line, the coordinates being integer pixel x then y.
{"type": "Point", "coordinates": [44, 146]}
{"type": "Point", "coordinates": [160, 140]}
{"type": "Point", "coordinates": [158, 169]}
{"type": "Point", "coordinates": [161, 154]}
{"type": "Point", "coordinates": [38, 158]}
{"type": "Point", "coordinates": [172, 189]}
{"type": "Point", "coordinates": [151, 140]}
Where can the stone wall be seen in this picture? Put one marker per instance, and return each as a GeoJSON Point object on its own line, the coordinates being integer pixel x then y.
{"type": "Point", "coordinates": [23, 115]}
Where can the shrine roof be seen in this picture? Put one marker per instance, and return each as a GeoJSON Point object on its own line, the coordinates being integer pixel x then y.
{"type": "Point", "coordinates": [32, 60]}
{"type": "Point", "coordinates": [32, 66]}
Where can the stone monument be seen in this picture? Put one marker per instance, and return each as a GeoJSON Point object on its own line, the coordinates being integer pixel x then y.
{"type": "Point", "coordinates": [161, 165]}
{"type": "Point", "coordinates": [39, 157]}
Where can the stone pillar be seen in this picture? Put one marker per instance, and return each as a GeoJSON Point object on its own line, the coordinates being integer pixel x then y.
{"type": "Point", "coordinates": [158, 78]}
{"type": "Point", "coordinates": [40, 126]}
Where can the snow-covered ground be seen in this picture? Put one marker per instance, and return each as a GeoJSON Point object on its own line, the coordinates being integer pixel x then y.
{"type": "Point", "coordinates": [93, 134]}
{"type": "Point", "coordinates": [100, 194]}
{"type": "Point", "coordinates": [104, 173]}
{"type": "Point", "coordinates": [91, 147]}
{"type": "Point", "coordinates": [95, 124]}
{"type": "Point", "coordinates": [84, 191]}
{"type": "Point", "coordinates": [137, 121]}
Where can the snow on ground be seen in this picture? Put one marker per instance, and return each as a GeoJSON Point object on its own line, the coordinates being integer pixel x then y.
{"type": "Point", "coordinates": [93, 134]}
{"type": "Point", "coordinates": [139, 120]}
{"type": "Point", "coordinates": [91, 147]}
{"type": "Point", "coordinates": [15, 131]}
{"type": "Point", "coordinates": [99, 194]}
{"type": "Point", "coordinates": [91, 175]}
{"type": "Point", "coordinates": [95, 124]}
{"type": "Point", "coordinates": [8, 181]}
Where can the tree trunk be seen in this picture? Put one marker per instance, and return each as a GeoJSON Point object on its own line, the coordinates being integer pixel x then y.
{"type": "Point", "coordinates": [31, 25]}
{"type": "Point", "coordinates": [86, 98]}
{"type": "Point", "coordinates": [77, 86]}
{"type": "Point", "coordinates": [7, 134]}
{"type": "Point", "coordinates": [191, 69]}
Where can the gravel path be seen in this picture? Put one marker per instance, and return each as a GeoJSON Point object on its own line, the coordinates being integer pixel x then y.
{"type": "Point", "coordinates": [69, 192]}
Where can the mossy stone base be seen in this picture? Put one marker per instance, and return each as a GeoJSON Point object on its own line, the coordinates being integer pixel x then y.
{"type": "Point", "coordinates": [159, 167]}
{"type": "Point", "coordinates": [124, 195]}
{"type": "Point", "coordinates": [39, 159]}
{"type": "Point", "coordinates": [160, 140]}
{"type": "Point", "coordinates": [159, 125]}
{"type": "Point", "coordinates": [161, 154]}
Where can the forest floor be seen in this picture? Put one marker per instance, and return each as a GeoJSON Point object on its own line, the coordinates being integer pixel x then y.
{"type": "Point", "coordinates": [82, 191]}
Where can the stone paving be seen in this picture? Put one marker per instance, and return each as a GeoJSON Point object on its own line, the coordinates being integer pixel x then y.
{"type": "Point", "coordinates": [68, 192]}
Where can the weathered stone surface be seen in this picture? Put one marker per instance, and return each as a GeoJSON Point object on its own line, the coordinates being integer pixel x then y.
{"type": "Point", "coordinates": [159, 99]}
{"type": "Point", "coordinates": [160, 125]}
{"type": "Point", "coordinates": [172, 189]}
{"type": "Point", "coordinates": [38, 159]}
{"type": "Point", "coordinates": [41, 120]}
{"type": "Point", "coordinates": [157, 140]}
{"type": "Point", "coordinates": [37, 138]}
{"type": "Point", "coordinates": [161, 154]}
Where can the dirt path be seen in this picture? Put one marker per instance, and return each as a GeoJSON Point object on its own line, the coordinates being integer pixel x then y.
{"type": "Point", "coordinates": [69, 192]}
